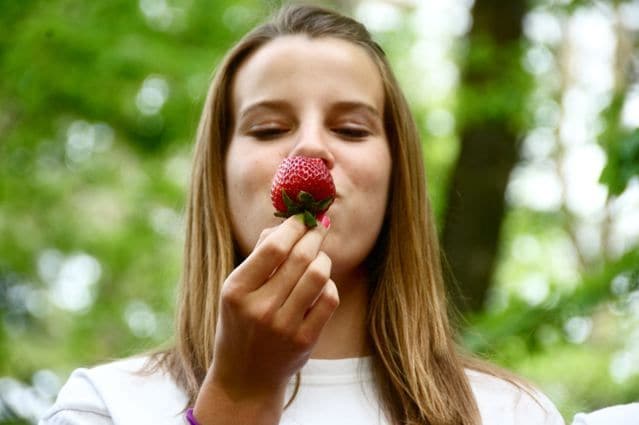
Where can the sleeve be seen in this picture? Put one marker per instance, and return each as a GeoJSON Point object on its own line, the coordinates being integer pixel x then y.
{"type": "Point", "coordinates": [504, 402]}
{"type": "Point", "coordinates": [617, 414]}
{"type": "Point", "coordinates": [78, 403]}
{"type": "Point", "coordinates": [535, 408]}
{"type": "Point", "coordinates": [580, 419]}
{"type": "Point", "coordinates": [75, 417]}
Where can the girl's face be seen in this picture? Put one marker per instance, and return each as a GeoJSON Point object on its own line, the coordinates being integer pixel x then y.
{"type": "Point", "coordinates": [322, 98]}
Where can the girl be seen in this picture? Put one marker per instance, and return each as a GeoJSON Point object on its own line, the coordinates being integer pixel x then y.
{"type": "Point", "coordinates": [278, 324]}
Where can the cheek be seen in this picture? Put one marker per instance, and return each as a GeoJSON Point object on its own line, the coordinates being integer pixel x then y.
{"type": "Point", "coordinates": [240, 176]}
{"type": "Point", "coordinates": [365, 208]}
{"type": "Point", "coordinates": [248, 178]}
{"type": "Point", "coordinates": [361, 216]}
{"type": "Point", "coordinates": [375, 178]}
{"type": "Point", "coordinates": [248, 183]}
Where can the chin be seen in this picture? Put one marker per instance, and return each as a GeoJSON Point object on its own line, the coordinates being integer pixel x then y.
{"type": "Point", "coordinates": [344, 257]}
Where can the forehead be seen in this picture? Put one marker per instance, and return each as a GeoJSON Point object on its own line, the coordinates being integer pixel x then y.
{"type": "Point", "coordinates": [296, 66]}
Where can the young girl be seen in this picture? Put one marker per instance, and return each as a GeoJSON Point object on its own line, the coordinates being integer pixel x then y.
{"type": "Point", "coordinates": [345, 323]}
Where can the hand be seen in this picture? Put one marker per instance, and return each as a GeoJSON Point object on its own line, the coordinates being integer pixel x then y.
{"type": "Point", "coordinates": [273, 308]}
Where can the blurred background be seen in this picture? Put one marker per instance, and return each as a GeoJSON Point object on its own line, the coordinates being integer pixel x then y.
{"type": "Point", "coordinates": [529, 112]}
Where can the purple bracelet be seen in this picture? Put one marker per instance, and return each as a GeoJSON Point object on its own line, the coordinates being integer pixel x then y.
{"type": "Point", "coordinates": [190, 418]}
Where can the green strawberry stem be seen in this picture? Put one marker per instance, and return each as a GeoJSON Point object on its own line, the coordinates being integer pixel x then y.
{"type": "Point", "coordinates": [306, 207]}
{"type": "Point", "coordinates": [309, 220]}
{"type": "Point", "coordinates": [290, 204]}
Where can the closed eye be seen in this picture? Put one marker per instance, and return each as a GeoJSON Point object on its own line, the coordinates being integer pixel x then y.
{"type": "Point", "coordinates": [267, 133]}
{"type": "Point", "coordinates": [352, 133]}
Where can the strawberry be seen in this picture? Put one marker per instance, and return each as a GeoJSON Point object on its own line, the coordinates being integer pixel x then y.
{"type": "Point", "coordinates": [302, 185]}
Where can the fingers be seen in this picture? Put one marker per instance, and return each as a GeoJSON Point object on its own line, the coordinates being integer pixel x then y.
{"type": "Point", "coordinates": [304, 253]}
{"type": "Point", "coordinates": [273, 247]}
{"type": "Point", "coordinates": [307, 290]}
{"type": "Point", "coordinates": [320, 313]}
{"type": "Point", "coordinates": [310, 304]}
{"type": "Point", "coordinates": [264, 234]}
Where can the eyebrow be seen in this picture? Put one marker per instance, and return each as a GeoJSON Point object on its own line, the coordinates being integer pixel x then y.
{"type": "Point", "coordinates": [265, 104]}
{"type": "Point", "coordinates": [357, 106]}
{"type": "Point", "coordinates": [344, 105]}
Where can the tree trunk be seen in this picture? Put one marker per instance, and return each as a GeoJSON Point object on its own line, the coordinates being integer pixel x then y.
{"type": "Point", "coordinates": [492, 100]}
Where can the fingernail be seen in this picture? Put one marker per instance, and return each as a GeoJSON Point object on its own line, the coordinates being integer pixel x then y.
{"type": "Point", "coordinates": [326, 221]}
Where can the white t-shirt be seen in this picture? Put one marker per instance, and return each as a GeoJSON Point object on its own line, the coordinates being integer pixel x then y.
{"type": "Point", "coordinates": [622, 414]}
{"type": "Point", "coordinates": [332, 392]}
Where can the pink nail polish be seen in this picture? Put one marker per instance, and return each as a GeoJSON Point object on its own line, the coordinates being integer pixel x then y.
{"type": "Point", "coordinates": [326, 221]}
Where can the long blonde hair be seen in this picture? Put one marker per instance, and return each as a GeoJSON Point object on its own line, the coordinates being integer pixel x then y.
{"type": "Point", "coordinates": [419, 370]}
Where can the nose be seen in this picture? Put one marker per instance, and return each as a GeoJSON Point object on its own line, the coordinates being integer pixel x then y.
{"type": "Point", "coordinates": [313, 141]}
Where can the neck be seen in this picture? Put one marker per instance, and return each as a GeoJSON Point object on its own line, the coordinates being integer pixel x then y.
{"type": "Point", "coordinates": [346, 333]}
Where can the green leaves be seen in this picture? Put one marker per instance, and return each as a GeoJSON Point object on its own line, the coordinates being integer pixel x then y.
{"type": "Point", "coordinates": [305, 205]}
{"type": "Point", "coordinates": [621, 145]}
{"type": "Point", "coordinates": [623, 163]}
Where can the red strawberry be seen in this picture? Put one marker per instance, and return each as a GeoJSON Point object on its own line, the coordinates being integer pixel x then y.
{"type": "Point", "coordinates": [302, 185]}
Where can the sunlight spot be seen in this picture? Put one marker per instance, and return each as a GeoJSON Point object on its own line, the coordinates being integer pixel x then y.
{"type": "Point", "coordinates": [440, 122]}
{"type": "Point", "coordinates": [578, 329]}
{"type": "Point", "coordinates": [21, 400]}
{"type": "Point", "coordinates": [620, 284]}
{"type": "Point", "coordinates": [563, 262]}
{"type": "Point", "coordinates": [178, 169]}
{"type": "Point", "coordinates": [547, 114]}
{"type": "Point", "coordinates": [542, 27]}
{"type": "Point", "coordinates": [162, 16]}
{"type": "Point", "coordinates": [49, 263]}
{"type": "Point", "coordinates": [582, 166]}
{"type": "Point", "coordinates": [588, 236]}
{"type": "Point", "coordinates": [526, 249]}
{"type": "Point", "coordinates": [534, 289]}
{"type": "Point", "coordinates": [46, 383]}
{"type": "Point", "coordinates": [37, 303]}
{"type": "Point", "coordinates": [141, 319]}
{"type": "Point", "coordinates": [428, 53]}
{"type": "Point", "coordinates": [625, 226]}
{"type": "Point", "coordinates": [593, 41]}
{"type": "Point", "coordinates": [152, 95]}
{"type": "Point", "coordinates": [630, 111]}
{"type": "Point", "coordinates": [539, 60]}
{"type": "Point", "coordinates": [442, 18]}
{"type": "Point", "coordinates": [84, 139]}
{"type": "Point", "coordinates": [378, 16]}
{"type": "Point", "coordinates": [535, 186]}
{"type": "Point", "coordinates": [165, 221]}
{"type": "Point", "coordinates": [458, 17]}
{"type": "Point", "coordinates": [629, 14]}
{"type": "Point", "coordinates": [539, 144]}
{"type": "Point", "coordinates": [623, 366]}
{"type": "Point", "coordinates": [73, 287]}
{"type": "Point", "coordinates": [441, 81]}
{"type": "Point", "coordinates": [633, 305]}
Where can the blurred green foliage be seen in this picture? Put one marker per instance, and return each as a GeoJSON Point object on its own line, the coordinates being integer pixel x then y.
{"type": "Point", "coordinates": [622, 148]}
{"type": "Point", "coordinates": [99, 102]}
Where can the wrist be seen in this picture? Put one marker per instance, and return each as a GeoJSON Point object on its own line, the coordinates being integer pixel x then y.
{"type": "Point", "coordinates": [217, 405]}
